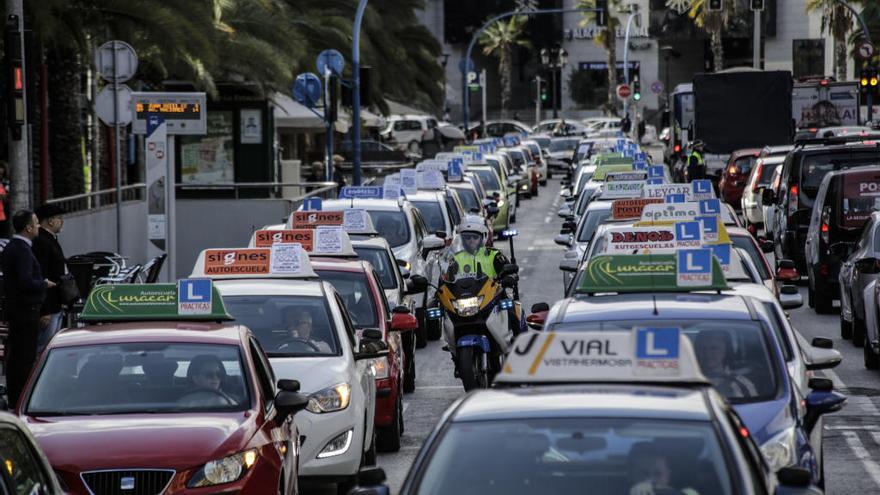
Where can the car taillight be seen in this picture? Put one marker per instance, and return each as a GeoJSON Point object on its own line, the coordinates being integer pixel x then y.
{"type": "Point", "coordinates": [757, 176]}
{"type": "Point", "coordinates": [793, 199]}
{"type": "Point", "coordinates": [824, 230]}
{"type": "Point", "coordinates": [676, 148]}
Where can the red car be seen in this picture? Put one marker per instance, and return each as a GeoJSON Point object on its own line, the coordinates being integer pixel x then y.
{"type": "Point", "coordinates": [359, 286]}
{"type": "Point", "coordinates": [149, 402]}
{"type": "Point", "coordinates": [736, 175]}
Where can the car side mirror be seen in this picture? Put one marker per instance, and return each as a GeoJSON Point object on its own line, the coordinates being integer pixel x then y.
{"type": "Point", "coordinates": [564, 211]}
{"type": "Point", "coordinates": [786, 271]}
{"type": "Point", "coordinates": [416, 284]}
{"type": "Point", "coordinates": [370, 481]}
{"type": "Point", "coordinates": [822, 343]}
{"type": "Point", "coordinates": [371, 334]}
{"type": "Point", "coordinates": [288, 385]}
{"type": "Point", "coordinates": [822, 400]}
{"type": "Point", "coordinates": [441, 234]}
{"type": "Point", "coordinates": [402, 321]}
{"type": "Point", "coordinates": [536, 320]}
{"type": "Point", "coordinates": [432, 243]}
{"type": "Point", "coordinates": [568, 226]}
{"type": "Point", "coordinates": [371, 349]}
{"type": "Point", "coordinates": [767, 246]}
{"type": "Point", "coordinates": [768, 196]}
{"type": "Point", "coordinates": [868, 266]}
{"type": "Point", "coordinates": [568, 265]}
{"type": "Point", "coordinates": [795, 480]}
{"type": "Point", "coordinates": [790, 297]}
{"type": "Point", "coordinates": [563, 240]}
{"type": "Point", "coordinates": [289, 403]}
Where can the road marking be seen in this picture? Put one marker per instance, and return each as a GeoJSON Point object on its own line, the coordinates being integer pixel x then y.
{"type": "Point", "coordinates": [438, 387]}
{"type": "Point", "coordinates": [547, 219]}
{"type": "Point", "coordinates": [405, 406]}
{"type": "Point", "coordinates": [853, 427]}
{"type": "Point", "coordinates": [830, 374]}
{"type": "Point", "coordinates": [873, 469]}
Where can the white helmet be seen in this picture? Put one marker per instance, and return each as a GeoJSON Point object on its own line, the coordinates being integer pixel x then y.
{"type": "Point", "coordinates": [473, 223]}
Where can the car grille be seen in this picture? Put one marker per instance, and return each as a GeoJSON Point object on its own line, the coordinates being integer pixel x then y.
{"type": "Point", "coordinates": [127, 482]}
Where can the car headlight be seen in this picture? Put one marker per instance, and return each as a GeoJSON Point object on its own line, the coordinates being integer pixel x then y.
{"type": "Point", "coordinates": [380, 367]}
{"type": "Point", "coordinates": [330, 399]}
{"type": "Point", "coordinates": [468, 306]}
{"type": "Point", "coordinates": [225, 470]}
{"type": "Point", "coordinates": [779, 451]}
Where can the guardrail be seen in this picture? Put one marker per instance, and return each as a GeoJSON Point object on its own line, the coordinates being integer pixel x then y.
{"type": "Point", "coordinates": [135, 192]}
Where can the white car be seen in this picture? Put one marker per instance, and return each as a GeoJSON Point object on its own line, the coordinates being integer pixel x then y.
{"type": "Point", "coordinates": [760, 177]}
{"type": "Point", "coordinates": [571, 127]}
{"type": "Point", "coordinates": [540, 161]}
{"type": "Point", "coordinates": [769, 211]}
{"type": "Point", "coordinates": [333, 365]}
{"type": "Point", "coordinates": [409, 131]}
{"type": "Point", "coordinates": [401, 224]}
{"type": "Point", "coordinates": [596, 125]}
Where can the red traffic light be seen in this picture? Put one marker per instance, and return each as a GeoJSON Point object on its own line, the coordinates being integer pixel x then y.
{"type": "Point", "coordinates": [18, 83]}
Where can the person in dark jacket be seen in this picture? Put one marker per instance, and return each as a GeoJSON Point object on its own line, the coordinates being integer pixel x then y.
{"type": "Point", "coordinates": [25, 291]}
{"type": "Point", "coordinates": [49, 254]}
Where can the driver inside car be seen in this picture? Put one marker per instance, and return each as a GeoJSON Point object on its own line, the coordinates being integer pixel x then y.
{"type": "Point", "coordinates": [208, 377]}
{"type": "Point", "coordinates": [299, 325]}
{"type": "Point", "coordinates": [715, 352]}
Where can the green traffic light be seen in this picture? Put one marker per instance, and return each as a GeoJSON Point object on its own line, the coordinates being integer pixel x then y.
{"type": "Point", "coordinates": [637, 96]}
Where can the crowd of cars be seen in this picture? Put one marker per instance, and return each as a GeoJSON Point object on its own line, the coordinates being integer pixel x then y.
{"type": "Point", "coordinates": [278, 365]}
{"type": "Point", "coordinates": [670, 366]}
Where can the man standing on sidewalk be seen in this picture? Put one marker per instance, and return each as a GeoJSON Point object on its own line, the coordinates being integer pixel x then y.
{"type": "Point", "coordinates": [53, 264]}
{"type": "Point", "coordinates": [25, 291]}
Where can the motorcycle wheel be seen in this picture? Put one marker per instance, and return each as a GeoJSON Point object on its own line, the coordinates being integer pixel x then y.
{"type": "Point", "coordinates": [469, 369]}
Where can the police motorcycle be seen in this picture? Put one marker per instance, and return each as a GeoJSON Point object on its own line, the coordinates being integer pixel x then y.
{"type": "Point", "coordinates": [480, 320]}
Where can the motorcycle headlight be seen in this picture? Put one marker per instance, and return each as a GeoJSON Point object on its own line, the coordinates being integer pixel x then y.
{"type": "Point", "coordinates": [468, 306]}
{"type": "Point", "coordinates": [330, 399]}
{"type": "Point", "coordinates": [380, 367]}
{"type": "Point", "coordinates": [225, 470]}
{"type": "Point", "coordinates": [779, 451]}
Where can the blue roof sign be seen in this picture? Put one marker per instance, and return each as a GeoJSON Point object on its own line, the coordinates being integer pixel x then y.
{"type": "Point", "coordinates": [361, 192]}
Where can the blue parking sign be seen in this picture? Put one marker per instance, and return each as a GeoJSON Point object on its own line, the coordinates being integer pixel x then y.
{"type": "Point", "coordinates": [710, 207]}
{"type": "Point", "coordinates": [312, 204]}
{"type": "Point", "coordinates": [657, 342]}
{"type": "Point", "coordinates": [194, 296]}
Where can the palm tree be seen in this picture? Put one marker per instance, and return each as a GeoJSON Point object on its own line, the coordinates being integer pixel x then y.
{"type": "Point", "coordinates": [713, 23]}
{"type": "Point", "coordinates": [607, 39]}
{"type": "Point", "coordinates": [499, 39]}
{"type": "Point", "coordinates": [837, 21]}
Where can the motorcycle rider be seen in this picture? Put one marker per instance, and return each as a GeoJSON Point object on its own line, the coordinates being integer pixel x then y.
{"type": "Point", "coordinates": [476, 259]}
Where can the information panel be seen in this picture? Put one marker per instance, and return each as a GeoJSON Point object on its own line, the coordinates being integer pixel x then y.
{"type": "Point", "coordinates": [183, 113]}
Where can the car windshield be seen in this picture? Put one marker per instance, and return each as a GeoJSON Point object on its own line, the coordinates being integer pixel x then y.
{"type": "Point", "coordinates": [584, 199]}
{"type": "Point", "coordinates": [563, 145]}
{"type": "Point", "coordinates": [583, 179]}
{"type": "Point", "coordinates": [861, 197]}
{"type": "Point", "coordinates": [743, 165]}
{"type": "Point", "coordinates": [433, 214]}
{"type": "Point", "coordinates": [383, 264]}
{"type": "Point", "coordinates": [733, 354]}
{"type": "Point", "coordinates": [745, 242]}
{"type": "Point", "coordinates": [287, 326]}
{"type": "Point", "coordinates": [489, 179]}
{"type": "Point", "coordinates": [816, 166]}
{"type": "Point", "coordinates": [140, 377]}
{"type": "Point", "coordinates": [591, 223]}
{"type": "Point", "coordinates": [468, 199]}
{"type": "Point", "coordinates": [564, 455]}
{"type": "Point", "coordinates": [355, 292]}
{"type": "Point", "coordinates": [391, 225]}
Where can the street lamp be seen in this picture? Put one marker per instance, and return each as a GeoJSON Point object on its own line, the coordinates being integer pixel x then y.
{"type": "Point", "coordinates": [554, 59]}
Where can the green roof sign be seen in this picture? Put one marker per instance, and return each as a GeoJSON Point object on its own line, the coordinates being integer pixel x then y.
{"type": "Point", "coordinates": [189, 300]}
{"type": "Point", "coordinates": [684, 271]}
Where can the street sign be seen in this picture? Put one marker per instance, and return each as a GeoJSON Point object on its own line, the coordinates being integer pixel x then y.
{"type": "Point", "coordinates": [331, 59]}
{"type": "Point", "coordinates": [307, 89]}
{"type": "Point", "coordinates": [656, 87]}
{"type": "Point", "coordinates": [866, 50]}
{"type": "Point", "coordinates": [183, 113]}
{"type": "Point", "coordinates": [116, 61]}
{"type": "Point", "coordinates": [623, 92]}
{"type": "Point", "coordinates": [104, 104]}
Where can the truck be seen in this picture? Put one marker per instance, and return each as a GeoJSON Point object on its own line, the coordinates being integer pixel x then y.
{"type": "Point", "coordinates": [682, 121]}
{"type": "Point", "coordinates": [825, 103]}
{"type": "Point", "coordinates": [741, 108]}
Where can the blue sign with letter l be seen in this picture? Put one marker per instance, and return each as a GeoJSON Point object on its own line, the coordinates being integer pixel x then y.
{"type": "Point", "coordinates": [675, 198]}
{"type": "Point", "coordinates": [657, 342]}
{"type": "Point", "coordinates": [655, 171]}
{"type": "Point", "coordinates": [687, 231]}
{"type": "Point", "coordinates": [312, 204]}
{"type": "Point", "coordinates": [710, 206]}
{"type": "Point", "coordinates": [694, 261]}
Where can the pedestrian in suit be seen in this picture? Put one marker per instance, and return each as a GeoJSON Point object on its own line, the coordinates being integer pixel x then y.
{"type": "Point", "coordinates": [25, 291]}
{"type": "Point", "coordinates": [53, 264]}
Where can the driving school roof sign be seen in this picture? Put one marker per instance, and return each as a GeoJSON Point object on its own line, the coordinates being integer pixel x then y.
{"type": "Point", "coordinates": [154, 302]}
{"type": "Point", "coordinates": [278, 261]}
{"type": "Point", "coordinates": [644, 354]}
{"type": "Point", "coordinates": [630, 208]}
{"type": "Point", "coordinates": [642, 273]}
{"type": "Point", "coordinates": [311, 219]}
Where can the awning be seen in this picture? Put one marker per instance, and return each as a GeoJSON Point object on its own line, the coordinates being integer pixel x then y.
{"type": "Point", "coordinates": [290, 114]}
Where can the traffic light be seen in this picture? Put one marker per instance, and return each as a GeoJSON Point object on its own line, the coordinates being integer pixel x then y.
{"type": "Point", "coordinates": [543, 90]}
{"type": "Point", "coordinates": [602, 14]}
{"type": "Point", "coordinates": [716, 5]}
{"type": "Point", "coordinates": [637, 89]}
{"type": "Point", "coordinates": [14, 77]}
{"type": "Point", "coordinates": [757, 5]}
{"type": "Point", "coordinates": [864, 80]}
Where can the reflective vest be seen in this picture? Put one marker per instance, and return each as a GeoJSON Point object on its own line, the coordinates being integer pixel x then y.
{"type": "Point", "coordinates": [467, 263]}
{"type": "Point", "coordinates": [698, 156]}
